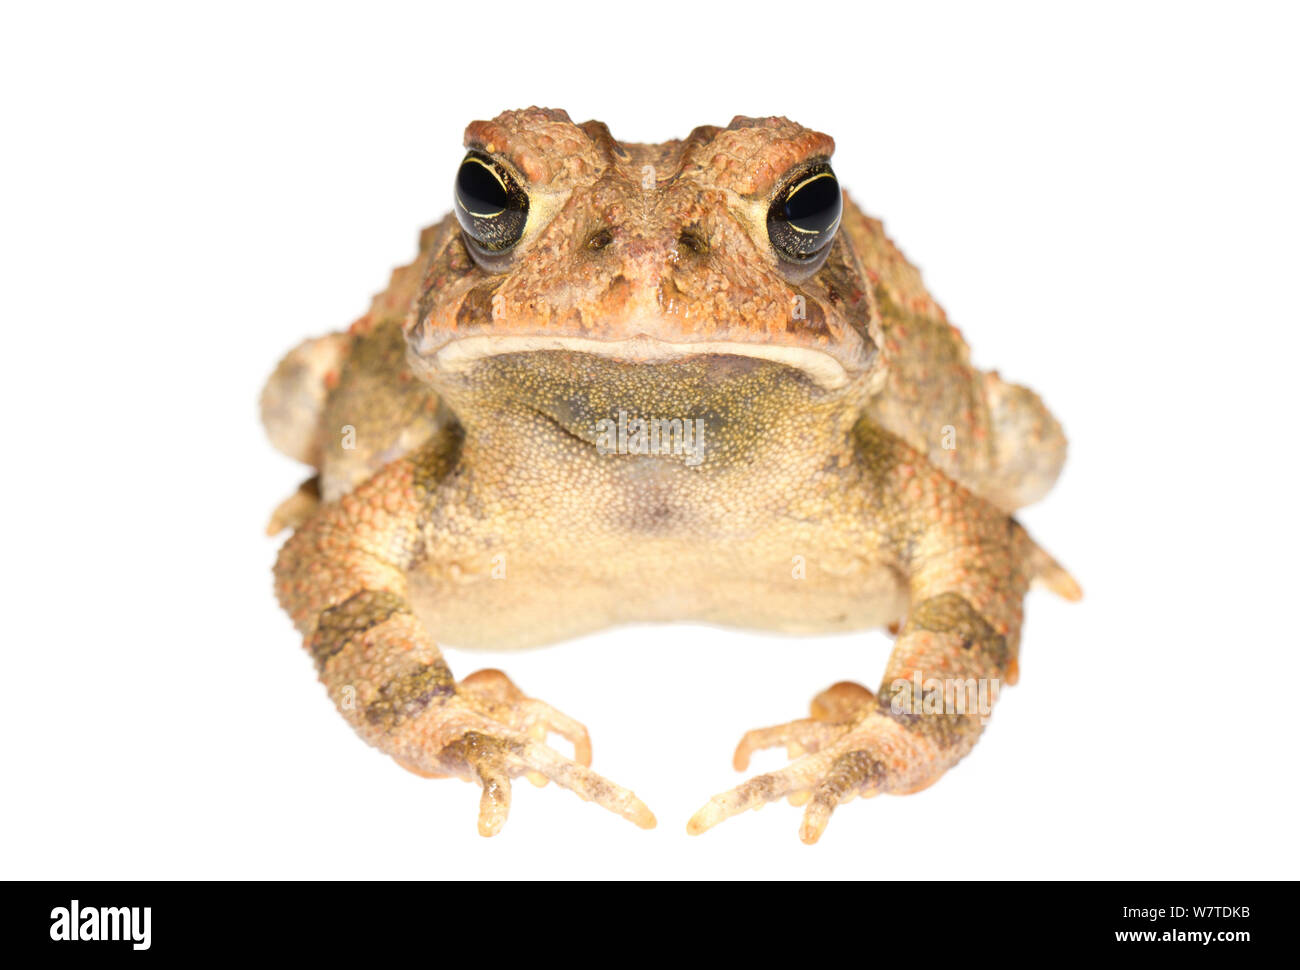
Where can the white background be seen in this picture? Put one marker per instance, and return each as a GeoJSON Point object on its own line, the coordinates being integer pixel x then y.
{"type": "Point", "coordinates": [1102, 196]}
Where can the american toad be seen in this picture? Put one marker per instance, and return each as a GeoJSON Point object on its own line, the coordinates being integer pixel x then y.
{"type": "Point", "coordinates": [694, 368]}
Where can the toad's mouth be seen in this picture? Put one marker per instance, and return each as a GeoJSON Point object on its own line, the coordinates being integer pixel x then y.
{"type": "Point", "coordinates": [462, 354]}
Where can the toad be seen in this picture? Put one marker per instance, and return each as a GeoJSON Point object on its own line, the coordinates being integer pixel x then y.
{"type": "Point", "coordinates": [687, 381]}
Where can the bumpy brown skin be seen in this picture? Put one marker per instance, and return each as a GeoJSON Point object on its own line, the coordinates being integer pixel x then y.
{"type": "Point", "coordinates": [855, 470]}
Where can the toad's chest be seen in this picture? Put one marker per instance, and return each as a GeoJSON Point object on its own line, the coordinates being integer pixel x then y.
{"type": "Point", "coordinates": [529, 591]}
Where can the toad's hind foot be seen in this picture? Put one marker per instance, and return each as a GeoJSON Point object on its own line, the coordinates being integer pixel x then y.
{"type": "Point", "coordinates": [297, 508]}
{"type": "Point", "coordinates": [498, 694]}
{"type": "Point", "coordinates": [833, 711]}
{"type": "Point", "coordinates": [848, 749]}
{"type": "Point", "coordinates": [490, 732]}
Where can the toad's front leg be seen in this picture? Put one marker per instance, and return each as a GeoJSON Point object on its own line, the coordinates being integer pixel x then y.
{"type": "Point", "coordinates": [342, 577]}
{"type": "Point", "coordinates": [968, 566]}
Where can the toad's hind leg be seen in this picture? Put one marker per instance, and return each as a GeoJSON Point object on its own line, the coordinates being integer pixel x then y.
{"type": "Point", "coordinates": [297, 508]}
{"type": "Point", "coordinates": [1028, 445]}
{"type": "Point", "coordinates": [967, 566]}
{"type": "Point", "coordinates": [347, 405]}
{"type": "Point", "coordinates": [293, 399]}
{"type": "Point", "coordinates": [343, 577]}
{"type": "Point", "coordinates": [293, 404]}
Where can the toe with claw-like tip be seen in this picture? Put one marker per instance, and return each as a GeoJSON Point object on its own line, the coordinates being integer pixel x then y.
{"type": "Point", "coordinates": [852, 751]}
{"type": "Point", "coordinates": [491, 732]}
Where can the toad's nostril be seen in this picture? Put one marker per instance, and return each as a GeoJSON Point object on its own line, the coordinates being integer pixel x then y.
{"type": "Point", "coordinates": [600, 239]}
{"type": "Point", "coordinates": [692, 240]}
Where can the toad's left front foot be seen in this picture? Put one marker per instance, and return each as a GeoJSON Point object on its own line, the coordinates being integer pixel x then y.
{"type": "Point", "coordinates": [853, 750]}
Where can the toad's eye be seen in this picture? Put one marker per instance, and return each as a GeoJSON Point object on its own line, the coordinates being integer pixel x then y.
{"type": "Point", "coordinates": [490, 205]}
{"type": "Point", "coordinates": [805, 214]}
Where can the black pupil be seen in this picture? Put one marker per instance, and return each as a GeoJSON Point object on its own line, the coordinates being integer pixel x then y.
{"type": "Point", "coordinates": [481, 193]}
{"type": "Point", "coordinates": [814, 205]}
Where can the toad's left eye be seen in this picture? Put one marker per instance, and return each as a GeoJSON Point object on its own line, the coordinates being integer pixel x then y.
{"type": "Point", "coordinates": [490, 205]}
{"type": "Point", "coordinates": [803, 217]}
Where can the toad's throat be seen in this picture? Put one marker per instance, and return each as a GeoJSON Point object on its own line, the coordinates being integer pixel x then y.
{"type": "Point", "coordinates": [633, 434]}
{"type": "Point", "coordinates": [461, 354]}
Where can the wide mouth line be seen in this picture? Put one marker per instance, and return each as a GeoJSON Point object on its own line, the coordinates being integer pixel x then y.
{"type": "Point", "coordinates": [463, 352]}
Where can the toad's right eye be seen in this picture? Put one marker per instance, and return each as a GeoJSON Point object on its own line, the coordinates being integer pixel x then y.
{"type": "Point", "coordinates": [491, 207]}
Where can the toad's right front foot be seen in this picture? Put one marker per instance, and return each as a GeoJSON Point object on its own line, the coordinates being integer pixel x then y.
{"type": "Point", "coordinates": [489, 732]}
